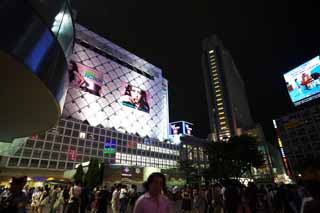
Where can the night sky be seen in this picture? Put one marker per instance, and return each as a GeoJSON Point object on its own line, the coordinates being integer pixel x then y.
{"type": "Point", "coordinates": [266, 39]}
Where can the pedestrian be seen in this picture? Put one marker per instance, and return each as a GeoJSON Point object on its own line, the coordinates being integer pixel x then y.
{"type": "Point", "coordinates": [58, 204]}
{"type": "Point", "coordinates": [186, 200]}
{"type": "Point", "coordinates": [44, 202]}
{"type": "Point", "coordinates": [153, 199]}
{"type": "Point", "coordinates": [14, 199]}
{"type": "Point", "coordinates": [75, 198]}
{"type": "Point", "coordinates": [198, 201]}
{"type": "Point", "coordinates": [35, 200]}
{"type": "Point", "coordinates": [123, 199]}
{"type": "Point", "coordinates": [115, 201]}
{"type": "Point", "coordinates": [133, 196]}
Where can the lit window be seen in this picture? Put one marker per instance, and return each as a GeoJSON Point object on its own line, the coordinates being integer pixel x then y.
{"type": "Point", "coordinates": [221, 113]}
{"type": "Point", "coordinates": [218, 95]}
{"type": "Point", "coordinates": [219, 104]}
{"type": "Point", "coordinates": [218, 90]}
{"type": "Point", "coordinates": [215, 75]}
{"type": "Point", "coordinates": [220, 108]}
{"type": "Point", "coordinates": [219, 99]}
{"type": "Point", "coordinates": [82, 135]}
{"type": "Point", "coordinates": [211, 51]}
{"type": "Point", "coordinates": [222, 118]}
{"type": "Point", "coordinates": [215, 79]}
{"type": "Point", "coordinates": [217, 86]}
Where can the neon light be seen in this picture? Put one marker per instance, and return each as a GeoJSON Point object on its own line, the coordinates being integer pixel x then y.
{"type": "Point", "coordinates": [109, 147]}
{"type": "Point", "coordinates": [280, 142]}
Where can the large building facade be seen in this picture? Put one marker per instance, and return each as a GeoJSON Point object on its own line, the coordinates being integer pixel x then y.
{"type": "Point", "coordinates": [116, 110]}
{"type": "Point", "coordinates": [228, 108]}
{"type": "Point", "coordinates": [299, 137]}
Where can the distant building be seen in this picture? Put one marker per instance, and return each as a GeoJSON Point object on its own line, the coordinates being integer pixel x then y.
{"type": "Point", "coordinates": [191, 148]}
{"type": "Point", "coordinates": [299, 136]}
{"type": "Point", "coordinates": [228, 108]}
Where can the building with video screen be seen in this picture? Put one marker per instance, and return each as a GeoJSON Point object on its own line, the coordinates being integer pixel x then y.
{"type": "Point", "coordinates": [229, 112]}
{"type": "Point", "coordinates": [116, 109]}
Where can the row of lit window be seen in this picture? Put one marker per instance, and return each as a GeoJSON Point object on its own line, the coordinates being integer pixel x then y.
{"type": "Point", "coordinates": [129, 159]}
{"type": "Point", "coordinates": [218, 92]}
{"type": "Point", "coordinates": [157, 149]}
{"type": "Point", "coordinates": [144, 164]}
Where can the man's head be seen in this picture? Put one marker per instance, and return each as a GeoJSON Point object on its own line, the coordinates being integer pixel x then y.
{"type": "Point", "coordinates": [17, 184]}
{"type": "Point", "coordinates": [156, 183]}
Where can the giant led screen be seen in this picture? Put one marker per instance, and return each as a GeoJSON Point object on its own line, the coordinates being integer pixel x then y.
{"type": "Point", "coordinates": [86, 78]}
{"type": "Point", "coordinates": [303, 82]}
{"type": "Point", "coordinates": [108, 92]}
{"type": "Point", "coordinates": [135, 98]}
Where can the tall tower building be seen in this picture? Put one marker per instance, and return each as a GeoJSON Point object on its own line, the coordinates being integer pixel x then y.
{"type": "Point", "coordinates": [228, 107]}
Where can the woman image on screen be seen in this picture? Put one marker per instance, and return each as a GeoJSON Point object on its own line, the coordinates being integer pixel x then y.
{"type": "Point", "coordinates": [136, 98]}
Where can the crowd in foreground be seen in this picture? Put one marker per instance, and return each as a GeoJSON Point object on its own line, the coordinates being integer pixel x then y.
{"type": "Point", "coordinates": [224, 197]}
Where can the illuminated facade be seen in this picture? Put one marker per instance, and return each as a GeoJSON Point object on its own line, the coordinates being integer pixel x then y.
{"type": "Point", "coordinates": [298, 136]}
{"type": "Point", "coordinates": [100, 118]}
{"type": "Point", "coordinates": [228, 108]}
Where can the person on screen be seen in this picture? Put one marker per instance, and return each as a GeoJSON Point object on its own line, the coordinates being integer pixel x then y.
{"type": "Point", "coordinates": [136, 98]}
{"type": "Point", "coordinates": [75, 77]}
{"type": "Point", "coordinates": [77, 80]}
{"type": "Point", "coordinates": [306, 81]}
{"type": "Point", "coordinates": [316, 76]}
{"type": "Point", "coordinates": [298, 85]}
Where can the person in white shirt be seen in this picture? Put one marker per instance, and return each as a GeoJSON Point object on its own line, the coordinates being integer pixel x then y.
{"type": "Point", "coordinates": [115, 201]}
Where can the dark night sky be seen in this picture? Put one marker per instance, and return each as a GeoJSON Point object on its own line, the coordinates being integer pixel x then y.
{"type": "Point", "coordinates": [266, 39]}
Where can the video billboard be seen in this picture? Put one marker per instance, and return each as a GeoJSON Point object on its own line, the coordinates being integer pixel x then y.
{"type": "Point", "coordinates": [303, 82]}
{"type": "Point", "coordinates": [135, 97]}
{"type": "Point", "coordinates": [85, 78]}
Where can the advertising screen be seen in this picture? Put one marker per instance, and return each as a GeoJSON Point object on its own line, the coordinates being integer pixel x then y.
{"type": "Point", "coordinates": [135, 98]}
{"type": "Point", "coordinates": [85, 78]}
{"type": "Point", "coordinates": [181, 127]}
{"type": "Point", "coordinates": [303, 82]}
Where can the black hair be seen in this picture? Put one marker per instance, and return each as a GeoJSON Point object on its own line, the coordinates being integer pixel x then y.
{"type": "Point", "coordinates": [119, 186]}
{"type": "Point", "coordinates": [144, 106]}
{"type": "Point", "coordinates": [152, 177]}
{"type": "Point", "coordinates": [73, 67]}
{"type": "Point", "coordinates": [128, 90]}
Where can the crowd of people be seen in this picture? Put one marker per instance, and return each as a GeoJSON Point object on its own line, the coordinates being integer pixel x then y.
{"type": "Point", "coordinates": [223, 197]}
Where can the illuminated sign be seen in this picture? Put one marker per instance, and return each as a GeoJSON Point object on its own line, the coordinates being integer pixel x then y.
{"type": "Point", "coordinates": [274, 124]}
{"type": "Point", "coordinates": [135, 97]}
{"type": "Point", "coordinates": [181, 128]}
{"type": "Point", "coordinates": [85, 78]}
{"type": "Point", "coordinates": [109, 147]}
{"type": "Point", "coordinates": [279, 142]}
{"type": "Point", "coordinates": [303, 82]}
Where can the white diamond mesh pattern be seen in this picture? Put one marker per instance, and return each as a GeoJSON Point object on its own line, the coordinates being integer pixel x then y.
{"type": "Point", "coordinates": [107, 110]}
